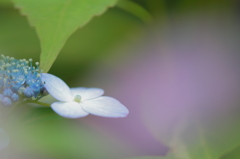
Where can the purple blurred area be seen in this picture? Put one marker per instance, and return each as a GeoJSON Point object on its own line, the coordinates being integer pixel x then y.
{"type": "Point", "coordinates": [187, 67]}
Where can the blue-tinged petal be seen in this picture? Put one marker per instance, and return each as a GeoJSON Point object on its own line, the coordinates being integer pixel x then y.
{"type": "Point", "coordinates": [105, 106]}
{"type": "Point", "coordinates": [56, 87]}
{"type": "Point", "coordinates": [87, 93]}
{"type": "Point", "coordinates": [4, 139]}
{"type": "Point", "coordinates": [69, 109]}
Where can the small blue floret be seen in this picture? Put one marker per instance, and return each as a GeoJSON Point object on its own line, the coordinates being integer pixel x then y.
{"type": "Point", "coordinates": [28, 92]}
{"type": "Point", "coordinates": [7, 92]}
{"type": "Point", "coordinates": [6, 101]}
{"type": "Point", "coordinates": [15, 97]}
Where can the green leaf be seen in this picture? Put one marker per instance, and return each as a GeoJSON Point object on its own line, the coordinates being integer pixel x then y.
{"type": "Point", "coordinates": [210, 140]}
{"type": "Point", "coordinates": [56, 20]}
{"type": "Point", "coordinates": [136, 10]}
{"type": "Point", "coordinates": [233, 154]}
{"type": "Point", "coordinates": [208, 137]}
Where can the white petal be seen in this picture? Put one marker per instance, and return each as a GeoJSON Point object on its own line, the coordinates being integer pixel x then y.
{"type": "Point", "coordinates": [87, 93]}
{"type": "Point", "coordinates": [105, 106]}
{"type": "Point", "coordinates": [56, 87]}
{"type": "Point", "coordinates": [69, 109]}
{"type": "Point", "coordinates": [4, 139]}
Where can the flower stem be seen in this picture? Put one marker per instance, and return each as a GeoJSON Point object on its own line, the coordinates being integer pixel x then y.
{"type": "Point", "coordinates": [40, 103]}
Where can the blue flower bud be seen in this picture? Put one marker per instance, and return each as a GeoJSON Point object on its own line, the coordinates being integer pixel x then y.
{"type": "Point", "coordinates": [7, 92]}
{"type": "Point", "coordinates": [28, 92]}
{"type": "Point", "coordinates": [15, 97]}
{"type": "Point", "coordinates": [6, 101]}
{"type": "Point", "coordinates": [36, 88]}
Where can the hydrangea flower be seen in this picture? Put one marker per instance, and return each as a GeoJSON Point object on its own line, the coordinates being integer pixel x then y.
{"type": "Point", "coordinates": [19, 80]}
{"type": "Point", "coordinates": [79, 102]}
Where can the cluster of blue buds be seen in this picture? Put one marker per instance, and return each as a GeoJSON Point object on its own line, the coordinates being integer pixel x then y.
{"type": "Point", "coordinates": [19, 80]}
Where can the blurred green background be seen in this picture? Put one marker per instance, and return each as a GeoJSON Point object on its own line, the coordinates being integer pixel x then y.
{"type": "Point", "coordinates": [100, 54]}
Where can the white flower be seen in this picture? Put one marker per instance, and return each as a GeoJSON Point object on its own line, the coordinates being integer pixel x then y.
{"type": "Point", "coordinates": [79, 102]}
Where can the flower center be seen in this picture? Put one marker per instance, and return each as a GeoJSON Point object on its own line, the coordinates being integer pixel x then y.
{"type": "Point", "coordinates": [77, 98]}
